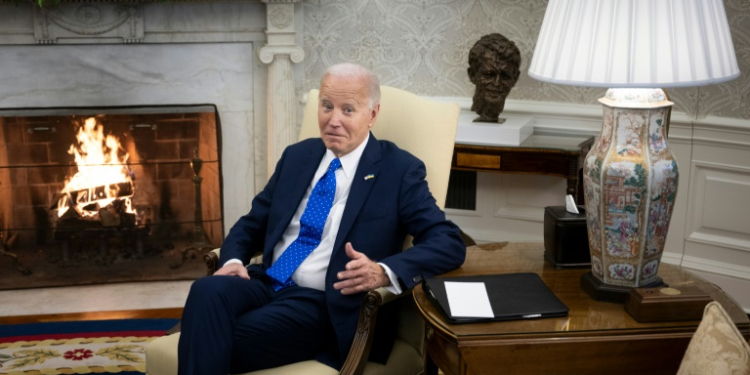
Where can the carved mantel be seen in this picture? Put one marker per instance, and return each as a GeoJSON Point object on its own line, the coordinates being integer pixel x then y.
{"type": "Point", "coordinates": [98, 20]}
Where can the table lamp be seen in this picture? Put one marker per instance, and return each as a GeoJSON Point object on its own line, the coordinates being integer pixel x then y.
{"type": "Point", "coordinates": [635, 48]}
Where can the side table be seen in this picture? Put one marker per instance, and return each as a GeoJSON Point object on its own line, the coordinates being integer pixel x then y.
{"type": "Point", "coordinates": [595, 338]}
{"type": "Point", "coordinates": [541, 153]}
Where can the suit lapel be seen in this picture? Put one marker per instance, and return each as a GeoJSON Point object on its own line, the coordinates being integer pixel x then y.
{"type": "Point", "coordinates": [361, 186]}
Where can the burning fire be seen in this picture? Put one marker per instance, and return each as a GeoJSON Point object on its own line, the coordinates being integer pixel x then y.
{"type": "Point", "coordinates": [103, 175]}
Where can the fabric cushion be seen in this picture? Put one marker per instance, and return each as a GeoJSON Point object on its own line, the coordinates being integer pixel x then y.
{"type": "Point", "coordinates": [717, 347]}
{"type": "Point", "coordinates": [161, 355]}
{"type": "Point", "coordinates": [162, 360]}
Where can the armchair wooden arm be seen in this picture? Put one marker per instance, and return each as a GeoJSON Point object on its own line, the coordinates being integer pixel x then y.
{"type": "Point", "coordinates": [360, 349]}
{"type": "Point", "coordinates": [212, 261]}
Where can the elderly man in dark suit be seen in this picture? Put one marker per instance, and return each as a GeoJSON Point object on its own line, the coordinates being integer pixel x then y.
{"type": "Point", "coordinates": [331, 224]}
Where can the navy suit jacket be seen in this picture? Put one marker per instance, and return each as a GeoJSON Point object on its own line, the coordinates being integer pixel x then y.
{"type": "Point", "coordinates": [379, 214]}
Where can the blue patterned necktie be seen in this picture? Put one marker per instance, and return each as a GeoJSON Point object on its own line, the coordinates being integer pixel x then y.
{"type": "Point", "coordinates": [311, 229]}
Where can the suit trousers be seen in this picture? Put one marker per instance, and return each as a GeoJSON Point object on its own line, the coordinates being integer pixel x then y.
{"type": "Point", "coordinates": [233, 325]}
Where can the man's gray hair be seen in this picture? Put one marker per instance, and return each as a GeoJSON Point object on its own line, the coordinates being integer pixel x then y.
{"type": "Point", "coordinates": [352, 70]}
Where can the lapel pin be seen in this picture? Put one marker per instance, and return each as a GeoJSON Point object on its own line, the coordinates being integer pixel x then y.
{"type": "Point", "coordinates": [369, 176]}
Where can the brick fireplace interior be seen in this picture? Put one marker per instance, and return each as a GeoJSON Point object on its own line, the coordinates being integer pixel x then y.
{"type": "Point", "coordinates": [98, 195]}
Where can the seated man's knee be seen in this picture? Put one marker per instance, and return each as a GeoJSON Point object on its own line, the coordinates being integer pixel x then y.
{"type": "Point", "coordinates": [209, 285]}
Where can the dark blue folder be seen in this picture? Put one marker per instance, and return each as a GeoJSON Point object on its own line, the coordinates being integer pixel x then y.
{"type": "Point", "coordinates": [513, 296]}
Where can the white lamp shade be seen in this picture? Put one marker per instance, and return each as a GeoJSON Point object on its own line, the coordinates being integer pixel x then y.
{"type": "Point", "coordinates": [634, 43]}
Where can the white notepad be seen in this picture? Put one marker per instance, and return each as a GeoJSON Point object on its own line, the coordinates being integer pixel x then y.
{"type": "Point", "coordinates": [468, 299]}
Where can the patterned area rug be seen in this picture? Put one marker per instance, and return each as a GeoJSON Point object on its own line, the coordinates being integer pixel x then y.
{"type": "Point", "coordinates": [103, 347]}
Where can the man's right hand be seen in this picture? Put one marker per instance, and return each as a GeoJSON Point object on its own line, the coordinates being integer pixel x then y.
{"type": "Point", "coordinates": [233, 269]}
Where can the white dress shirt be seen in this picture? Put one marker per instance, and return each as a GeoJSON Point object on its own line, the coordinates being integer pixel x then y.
{"type": "Point", "coordinates": [312, 272]}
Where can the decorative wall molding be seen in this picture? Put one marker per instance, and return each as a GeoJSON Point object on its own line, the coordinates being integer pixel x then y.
{"type": "Point", "coordinates": [281, 17]}
{"type": "Point", "coordinates": [680, 133]}
{"type": "Point", "coordinates": [723, 124]}
{"type": "Point", "coordinates": [671, 258]}
{"type": "Point", "coordinates": [525, 213]}
{"type": "Point", "coordinates": [719, 142]}
{"type": "Point", "coordinates": [464, 213]}
{"type": "Point", "coordinates": [75, 21]}
{"type": "Point", "coordinates": [720, 268]}
{"type": "Point", "coordinates": [732, 133]}
{"type": "Point", "coordinates": [719, 240]}
{"type": "Point", "coordinates": [586, 119]}
{"type": "Point", "coordinates": [280, 53]}
{"type": "Point", "coordinates": [579, 119]}
{"type": "Point", "coordinates": [268, 52]}
{"type": "Point", "coordinates": [92, 22]}
{"type": "Point", "coordinates": [715, 189]}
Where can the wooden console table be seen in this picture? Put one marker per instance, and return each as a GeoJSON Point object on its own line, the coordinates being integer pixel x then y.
{"type": "Point", "coordinates": [595, 338]}
{"type": "Point", "coordinates": [541, 153]}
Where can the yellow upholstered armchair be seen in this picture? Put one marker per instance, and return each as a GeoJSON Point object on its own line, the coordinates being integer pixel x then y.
{"type": "Point", "coordinates": [425, 128]}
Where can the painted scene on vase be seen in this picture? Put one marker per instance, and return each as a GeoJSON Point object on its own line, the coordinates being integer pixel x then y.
{"type": "Point", "coordinates": [630, 181]}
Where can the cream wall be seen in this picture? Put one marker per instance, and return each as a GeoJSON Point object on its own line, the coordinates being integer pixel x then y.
{"type": "Point", "coordinates": [422, 46]}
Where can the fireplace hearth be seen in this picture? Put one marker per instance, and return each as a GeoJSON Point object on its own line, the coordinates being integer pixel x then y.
{"type": "Point", "coordinates": [98, 195]}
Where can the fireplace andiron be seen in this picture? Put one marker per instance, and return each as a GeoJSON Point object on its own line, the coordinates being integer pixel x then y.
{"type": "Point", "coordinates": [199, 236]}
{"type": "Point", "coordinates": [6, 241]}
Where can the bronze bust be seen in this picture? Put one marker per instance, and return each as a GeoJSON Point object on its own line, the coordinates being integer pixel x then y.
{"type": "Point", "coordinates": [494, 67]}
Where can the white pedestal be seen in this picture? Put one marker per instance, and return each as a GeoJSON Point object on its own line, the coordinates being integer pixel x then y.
{"type": "Point", "coordinates": [512, 133]}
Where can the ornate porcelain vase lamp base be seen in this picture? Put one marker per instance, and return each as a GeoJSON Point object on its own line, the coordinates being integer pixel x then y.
{"type": "Point", "coordinates": [630, 182]}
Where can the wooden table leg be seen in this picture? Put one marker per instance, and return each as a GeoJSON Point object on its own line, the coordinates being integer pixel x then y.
{"type": "Point", "coordinates": [430, 368]}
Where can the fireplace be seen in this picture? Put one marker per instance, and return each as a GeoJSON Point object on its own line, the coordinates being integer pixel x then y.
{"type": "Point", "coordinates": [242, 56]}
{"type": "Point", "coordinates": [93, 195]}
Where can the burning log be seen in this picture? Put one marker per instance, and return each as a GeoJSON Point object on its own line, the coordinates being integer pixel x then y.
{"type": "Point", "coordinates": [89, 201]}
{"type": "Point", "coordinates": [96, 201]}
{"type": "Point", "coordinates": [103, 185]}
{"type": "Point", "coordinates": [115, 214]}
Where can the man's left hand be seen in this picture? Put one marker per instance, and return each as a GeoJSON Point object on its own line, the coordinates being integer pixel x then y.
{"type": "Point", "coordinates": [361, 275]}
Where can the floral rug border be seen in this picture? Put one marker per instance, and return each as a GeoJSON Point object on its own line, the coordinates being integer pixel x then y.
{"type": "Point", "coordinates": [74, 356]}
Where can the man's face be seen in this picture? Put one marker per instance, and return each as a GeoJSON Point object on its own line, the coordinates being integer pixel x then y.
{"type": "Point", "coordinates": [494, 78]}
{"type": "Point", "coordinates": [344, 116]}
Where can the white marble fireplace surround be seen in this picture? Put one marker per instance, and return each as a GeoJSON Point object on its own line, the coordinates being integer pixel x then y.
{"type": "Point", "coordinates": [108, 54]}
